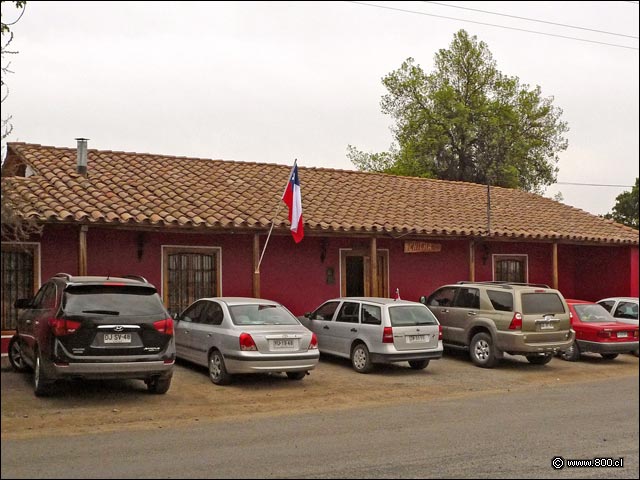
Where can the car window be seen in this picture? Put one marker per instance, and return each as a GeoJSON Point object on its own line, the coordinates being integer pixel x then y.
{"type": "Point", "coordinates": [442, 297]}
{"type": "Point", "coordinates": [261, 314]}
{"type": "Point", "coordinates": [502, 301]}
{"type": "Point", "coordinates": [325, 311]}
{"type": "Point", "coordinates": [193, 313]}
{"type": "Point", "coordinates": [542, 303]}
{"type": "Point", "coordinates": [607, 304]}
{"type": "Point", "coordinates": [349, 312]}
{"type": "Point", "coordinates": [45, 298]}
{"type": "Point", "coordinates": [592, 313]}
{"type": "Point", "coordinates": [213, 314]}
{"type": "Point", "coordinates": [467, 298]}
{"type": "Point", "coordinates": [626, 310]}
{"type": "Point", "coordinates": [410, 315]}
{"type": "Point", "coordinates": [371, 314]}
{"type": "Point", "coordinates": [112, 300]}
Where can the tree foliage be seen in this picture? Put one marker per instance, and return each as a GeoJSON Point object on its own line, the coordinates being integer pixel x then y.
{"type": "Point", "coordinates": [625, 210]}
{"type": "Point", "coordinates": [14, 226]}
{"type": "Point", "coordinates": [467, 121]}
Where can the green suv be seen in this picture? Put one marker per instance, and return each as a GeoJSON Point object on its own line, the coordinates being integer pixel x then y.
{"type": "Point", "coordinates": [491, 318]}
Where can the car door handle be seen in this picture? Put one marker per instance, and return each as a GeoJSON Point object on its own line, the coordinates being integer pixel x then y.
{"type": "Point", "coordinates": [354, 329]}
{"type": "Point", "coordinates": [444, 310]}
{"type": "Point", "coordinates": [471, 313]}
{"type": "Point", "coordinates": [325, 327]}
{"type": "Point", "coordinates": [28, 322]}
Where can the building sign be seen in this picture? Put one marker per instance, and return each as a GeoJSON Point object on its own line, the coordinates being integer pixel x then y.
{"type": "Point", "coordinates": [411, 246]}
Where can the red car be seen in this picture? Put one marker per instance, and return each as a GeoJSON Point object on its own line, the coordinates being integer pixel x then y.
{"type": "Point", "coordinates": [598, 332]}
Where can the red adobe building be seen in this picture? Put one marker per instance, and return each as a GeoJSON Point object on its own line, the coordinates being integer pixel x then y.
{"type": "Point", "coordinates": [196, 227]}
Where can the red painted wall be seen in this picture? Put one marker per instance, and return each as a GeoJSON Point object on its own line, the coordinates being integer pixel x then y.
{"type": "Point", "coordinates": [296, 275]}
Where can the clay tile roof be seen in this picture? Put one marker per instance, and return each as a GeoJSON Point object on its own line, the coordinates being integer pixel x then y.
{"type": "Point", "coordinates": [180, 192]}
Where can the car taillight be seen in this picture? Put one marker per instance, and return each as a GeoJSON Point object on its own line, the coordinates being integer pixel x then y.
{"type": "Point", "coordinates": [61, 326]}
{"type": "Point", "coordinates": [635, 334]}
{"type": "Point", "coordinates": [516, 322]}
{"type": "Point", "coordinates": [605, 333]}
{"type": "Point", "coordinates": [387, 335]}
{"type": "Point", "coordinates": [313, 344]}
{"type": "Point", "coordinates": [246, 342]}
{"type": "Point", "coordinates": [439, 332]}
{"type": "Point", "coordinates": [164, 326]}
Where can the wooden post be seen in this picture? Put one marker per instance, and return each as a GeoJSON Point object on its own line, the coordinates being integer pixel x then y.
{"type": "Point", "coordinates": [555, 265]}
{"type": "Point", "coordinates": [82, 250]}
{"type": "Point", "coordinates": [256, 261]}
{"type": "Point", "coordinates": [472, 261]}
{"type": "Point", "coordinates": [374, 267]}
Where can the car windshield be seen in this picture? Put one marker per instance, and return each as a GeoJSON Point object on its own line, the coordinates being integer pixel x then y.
{"type": "Point", "coordinates": [112, 300]}
{"type": "Point", "coordinates": [593, 313]}
{"type": "Point", "coordinates": [409, 315]}
{"type": "Point", "coordinates": [261, 315]}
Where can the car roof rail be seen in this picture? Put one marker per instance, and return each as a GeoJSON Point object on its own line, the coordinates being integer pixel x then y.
{"type": "Point", "coordinates": [140, 278]}
{"type": "Point", "coordinates": [62, 274]}
{"type": "Point", "coordinates": [506, 284]}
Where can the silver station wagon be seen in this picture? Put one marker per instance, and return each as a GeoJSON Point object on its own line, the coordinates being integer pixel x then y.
{"type": "Point", "coordinates": [370, 330]}
{"type": "Point", "coordinates": [244, 335]}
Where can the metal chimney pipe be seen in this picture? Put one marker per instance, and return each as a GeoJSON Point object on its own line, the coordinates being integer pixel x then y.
{"type": "Point", "coordinates": [82, 156]}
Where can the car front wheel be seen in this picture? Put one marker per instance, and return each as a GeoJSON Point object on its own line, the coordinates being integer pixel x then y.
{"type": "Point", "coordinates": [159, 385]}
{"type": "Point", "coordinates": [15, 355]}
{"type": "Point", "coordinates": [418, 364]}
{"type": "Point", "coordinates": [571, 354]}
{"type": "Point", "coordinates": [217, 371]}
{"type": "Point", "coordinates": [609, 356]}
{"type": "Point", "coordinates": [482, 350]}
{"type": "Point", "coordinates": [296, 375]}
{"type": "Point", "coordinates": [360, 359]}
{"type": "Point", "coordinates": [539, 359]}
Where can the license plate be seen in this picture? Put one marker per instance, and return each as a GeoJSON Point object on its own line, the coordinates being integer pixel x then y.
{"type": "Point", "coordinates": [283, 343]}
{"type": "Point", "coordinates": [416, 338]}
{"type": "Point", "coordinates": [117, 338]}
{"type": "Point", "coordinates": [623, 334]}
{"type": "Point", "coordinates": [546, 326]}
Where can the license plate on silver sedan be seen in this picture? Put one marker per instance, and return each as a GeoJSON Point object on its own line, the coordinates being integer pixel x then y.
{"type": "Point", "coordinates": [416, 338]}
{"type": "Point", "coordinates": [117, 338]}
{"type": "Point", "coordinates": [282, 344]}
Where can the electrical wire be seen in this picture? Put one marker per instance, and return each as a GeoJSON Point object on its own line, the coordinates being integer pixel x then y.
{"type": "Point", "coordinates": [593, 184]}
{"type": "Point", "coordinates": [494, 25]}
{"type": "Point", "coordinates": [532, 19]}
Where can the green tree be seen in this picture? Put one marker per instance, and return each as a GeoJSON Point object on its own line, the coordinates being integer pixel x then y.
{"type": "Point", "coordinates": [467, 121]}
{"type": "Point", "coordinates": [625, 210]}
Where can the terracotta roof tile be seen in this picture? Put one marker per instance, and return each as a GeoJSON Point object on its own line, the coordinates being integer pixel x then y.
{"type": "Point", "coordinates": [134, 188]}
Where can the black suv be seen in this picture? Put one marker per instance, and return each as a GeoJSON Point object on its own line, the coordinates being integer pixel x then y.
{"type": "Point", "coordinates": [94, 328]}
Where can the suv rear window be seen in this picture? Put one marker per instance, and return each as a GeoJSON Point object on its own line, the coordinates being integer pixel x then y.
{"type": "Point", "coordinates": [541, 303]}
{"type": "Point", "coordinates": [409, 315]}
{"type": "Point", "coordinates": [502, 301]}
{"type": "Point", "coordinates": [112, 300]}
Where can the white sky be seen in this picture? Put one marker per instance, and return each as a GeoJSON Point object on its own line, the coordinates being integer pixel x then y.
{"type": "Point", "coordinates": [274, 81]}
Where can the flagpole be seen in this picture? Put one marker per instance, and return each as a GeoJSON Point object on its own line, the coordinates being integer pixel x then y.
{"type": "Point", "coordinates": [275, 216]}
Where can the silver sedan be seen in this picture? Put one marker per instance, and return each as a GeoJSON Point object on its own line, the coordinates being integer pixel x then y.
{"type": "Point", "coordinates": [232, 335]}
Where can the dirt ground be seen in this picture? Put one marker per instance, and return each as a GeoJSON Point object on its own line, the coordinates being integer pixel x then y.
{"type": "Point", "coordinates": [82, 406]}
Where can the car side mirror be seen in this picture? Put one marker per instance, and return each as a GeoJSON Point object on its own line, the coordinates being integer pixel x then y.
{"type": "Point", "coordinates": [423, 300]}
{"type": "Point", "coordinates": [22, 303]}
{"type": "Point", "coordinates": [307, 315]}
{"type": "Point", "coordinates": [176, 317]}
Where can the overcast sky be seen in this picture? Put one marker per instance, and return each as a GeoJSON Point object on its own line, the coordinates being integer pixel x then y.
{"type": "Point", "coordinates": [274, 81]}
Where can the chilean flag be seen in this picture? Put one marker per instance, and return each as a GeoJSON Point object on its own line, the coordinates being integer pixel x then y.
{"type": "Point", "coordinates": [293, 198]}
